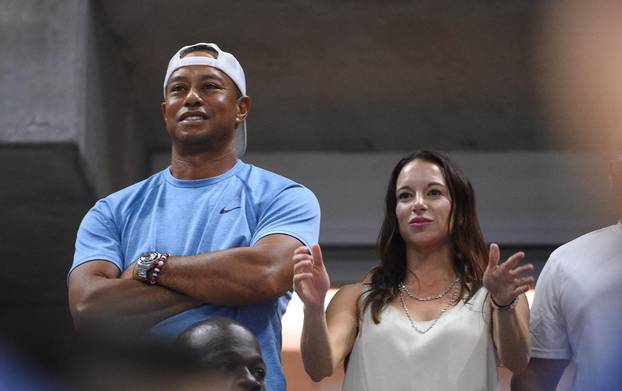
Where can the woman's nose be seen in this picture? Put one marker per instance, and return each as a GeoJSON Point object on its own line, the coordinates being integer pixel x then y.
{"type": "Point", "coordinates": [419, 203]}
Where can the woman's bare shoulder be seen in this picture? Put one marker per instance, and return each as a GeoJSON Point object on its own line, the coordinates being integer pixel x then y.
{"type": "Point", "coordinates": [352, 290]}
{"type": "Point", "coordinates": [346, 300]}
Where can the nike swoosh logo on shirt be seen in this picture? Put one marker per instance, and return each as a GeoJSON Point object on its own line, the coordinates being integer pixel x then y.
{"type": "Point", "coordinates": [223, 210]}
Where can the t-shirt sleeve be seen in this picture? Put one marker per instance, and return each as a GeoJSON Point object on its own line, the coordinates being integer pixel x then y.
{"type": "Point", "coordinates": [97, 238]}
{"type": "Point", "coordinates": [547, 324]}
{"type": "Point", "coordinates": [294, 211]}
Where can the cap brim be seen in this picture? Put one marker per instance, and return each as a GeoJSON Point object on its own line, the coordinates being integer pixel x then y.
{"type": "Point", "coordinates": [240, 140]}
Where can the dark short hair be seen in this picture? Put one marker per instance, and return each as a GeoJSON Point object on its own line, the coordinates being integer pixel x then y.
{"type": "Point", "coordinates": [210, 339]}
{"type": "Point", "coordinates": [469, 249]}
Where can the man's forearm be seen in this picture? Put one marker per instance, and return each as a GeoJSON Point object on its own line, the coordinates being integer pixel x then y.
{"type": "Point", "coordinates": [232, 277]}
{"type": "Point", "coordinates": [540, 375]}
{"type": "Point", "coordinates": [126, 302]}
{"type": "Point", "coordinates": [527, 381]}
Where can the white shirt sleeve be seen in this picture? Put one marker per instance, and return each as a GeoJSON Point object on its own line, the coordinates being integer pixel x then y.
{"type": "Point", "coordinates": [547, 325]}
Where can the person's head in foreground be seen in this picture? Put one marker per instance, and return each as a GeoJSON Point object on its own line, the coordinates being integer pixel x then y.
{"type": "Point", "coordinates": [228, 352]}
{"type": "Point", "coordinates": [450, 222]}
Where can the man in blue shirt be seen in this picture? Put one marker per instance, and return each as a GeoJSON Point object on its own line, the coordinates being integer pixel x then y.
{"type": "Point", "coordinates": [208, 236]}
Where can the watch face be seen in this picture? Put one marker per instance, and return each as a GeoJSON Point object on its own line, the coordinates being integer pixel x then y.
{"type": "Point", "coordinates": [148, 258]}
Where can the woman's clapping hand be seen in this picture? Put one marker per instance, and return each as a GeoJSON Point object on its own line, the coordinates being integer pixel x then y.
{"type": "Point", "coordinates": [311, 281]}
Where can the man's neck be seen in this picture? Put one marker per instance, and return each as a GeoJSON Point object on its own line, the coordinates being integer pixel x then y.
{"type": "Point", "coordinates": [200, 165]}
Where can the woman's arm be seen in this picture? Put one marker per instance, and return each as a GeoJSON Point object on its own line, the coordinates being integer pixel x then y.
{"type": "Point", "coordinates": [510, 320]}
{"type": "Point", "coordinates": [326, 337]}
{"type": "Point", "coordinates": [510, 332]}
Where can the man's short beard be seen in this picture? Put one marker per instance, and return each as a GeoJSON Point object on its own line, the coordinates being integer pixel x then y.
{"type": "Point", "coordinates": [211, 142]}
{"type": "Point", "coordinates": [192, 140]}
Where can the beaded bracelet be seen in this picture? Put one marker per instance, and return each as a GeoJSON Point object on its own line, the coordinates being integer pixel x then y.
{"type": "Point", "coordinates": [155, 273]}
{"type": "Point", "coordinates": [506, 307]}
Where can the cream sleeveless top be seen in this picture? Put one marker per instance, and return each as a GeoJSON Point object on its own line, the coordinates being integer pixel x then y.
{"type": "Point", "coordinates": [456, 354]}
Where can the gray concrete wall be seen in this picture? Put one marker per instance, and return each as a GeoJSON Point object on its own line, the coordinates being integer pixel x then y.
{"type": "Point", "coordinates": [528, 201]}
{"type": "Point", "coordinates": [109, 138]}
{"type": "Point", "coordinates": [523, 198]}
{"type": "Point", "coordinates": [41, 70]}
{"type": "Point", "coordinates": [62, 82]}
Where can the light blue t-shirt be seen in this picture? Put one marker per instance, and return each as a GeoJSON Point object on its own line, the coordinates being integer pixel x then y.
{"type": "Point", "coordinates": [189, 217]}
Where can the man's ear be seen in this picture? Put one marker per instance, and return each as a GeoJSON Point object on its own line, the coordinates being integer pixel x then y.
{"type": "Point", "coordinates": [163, 110]}
{"type": "Point", "coordinates": [244, 107]}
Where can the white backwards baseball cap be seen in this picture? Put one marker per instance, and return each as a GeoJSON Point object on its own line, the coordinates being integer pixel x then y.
{"type": "Point", "coordinates": [224, 62]}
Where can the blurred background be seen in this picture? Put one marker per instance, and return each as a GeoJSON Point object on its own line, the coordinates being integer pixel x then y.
{"type": "Point", "coordinates": [523, 95]}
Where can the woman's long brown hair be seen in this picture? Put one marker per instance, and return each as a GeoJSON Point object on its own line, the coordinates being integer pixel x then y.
{"type": "Point", "coordinates": [470, 254]}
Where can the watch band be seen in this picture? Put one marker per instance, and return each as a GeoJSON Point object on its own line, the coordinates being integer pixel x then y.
{"type": "Point", "coordinates": [157, 269]}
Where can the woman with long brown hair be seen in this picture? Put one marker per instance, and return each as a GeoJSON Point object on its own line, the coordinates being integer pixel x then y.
{"type": "Point", "coordinates": [438, 313]}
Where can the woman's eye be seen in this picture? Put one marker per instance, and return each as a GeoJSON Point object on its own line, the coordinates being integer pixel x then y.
{"type": "Point", "coordinates": [210, 86]}
{"type": "Point", "coordinates": [403, 196]}
{"type": "Point", "coordinates": [435, 192]}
